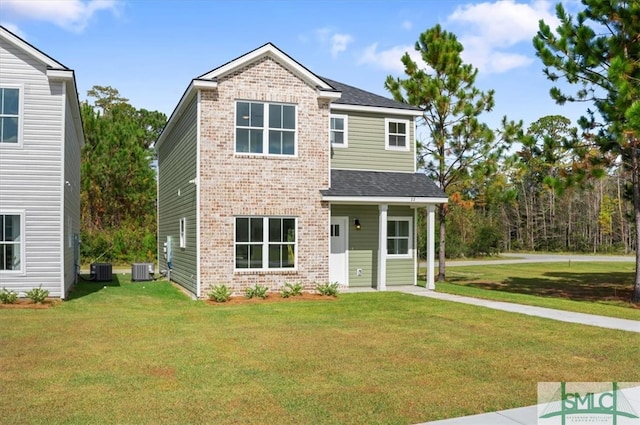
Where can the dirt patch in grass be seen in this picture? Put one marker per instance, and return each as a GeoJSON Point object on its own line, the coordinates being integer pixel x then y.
{"type": "Point", "coordinates": [24, 303]}
{"type": "Point", "coordinates": [273, 298]}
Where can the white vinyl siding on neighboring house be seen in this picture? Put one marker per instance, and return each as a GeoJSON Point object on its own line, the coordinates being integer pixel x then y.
{"type": "Point", "coordinates": [265, 128]}
{"type": "Point", "coordinates": [396, 134]}
{"type": "Point", "coordinates": [32, 171]}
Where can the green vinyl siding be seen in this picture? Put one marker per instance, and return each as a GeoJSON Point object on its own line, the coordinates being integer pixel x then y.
{"type": "Point", "coordinates": [363, 246]}
{"type": "Point", "coordinates": [366, 145]}
{"type": "Point", "coordinates": [177, 198]}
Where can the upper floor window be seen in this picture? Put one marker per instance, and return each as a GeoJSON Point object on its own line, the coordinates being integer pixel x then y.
{"type": "Point", "coordinates": [338, 130]}
{"type": "Point", "coordinates": [396, 134]}
{"type": "Point", "coordinates": [399, 237]}
{"type": "Point", "coordinates": [11, 252]}
{"type": "Point", "coordinates": [265, 128]}
{"type": "Point", "coordinates": [9, 115]}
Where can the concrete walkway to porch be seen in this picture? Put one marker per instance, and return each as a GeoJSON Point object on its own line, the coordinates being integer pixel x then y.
{"type": "Point", "coordinates": [549, 313]}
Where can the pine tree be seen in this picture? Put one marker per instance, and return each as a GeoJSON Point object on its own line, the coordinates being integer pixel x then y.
{"type": "Point", "coordinates": [599, 52]}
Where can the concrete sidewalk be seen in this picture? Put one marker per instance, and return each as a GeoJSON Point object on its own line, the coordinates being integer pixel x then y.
{"type": "Point", "coordinates": [549, 313]}
{"type": "Point", "coordinates": [524, 415]}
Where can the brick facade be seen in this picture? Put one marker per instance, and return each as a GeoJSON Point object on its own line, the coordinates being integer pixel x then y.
{"type": "Point", "coordinates": [258, 185]}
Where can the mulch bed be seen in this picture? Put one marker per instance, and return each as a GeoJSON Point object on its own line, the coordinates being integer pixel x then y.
{"type": "Point", "coordinates": [25, 303]}
{"type": "Point", "coordinates": [273, 298]}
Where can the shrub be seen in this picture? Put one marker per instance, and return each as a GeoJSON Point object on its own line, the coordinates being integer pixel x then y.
{"type": "Point", "coordinates": [8, 297]}
{"type": "Point", "coordinates": [220, 294]}
{"type": "Point", "coordinates": [259, 291]}
{"type": "Point", "coordinates": [328, 289]}
{"type": "Point", "coordinates": [291, 290]}
{"type": "Point", "coordinates": [38, 295]}
{"type": "Point", "coordinates": [487, 241]}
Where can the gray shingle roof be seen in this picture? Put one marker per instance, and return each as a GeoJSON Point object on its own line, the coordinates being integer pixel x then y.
{"type": "Point", "coordinates": [382, 184]}
{"type": "Point", "coordinates": [355, 96]}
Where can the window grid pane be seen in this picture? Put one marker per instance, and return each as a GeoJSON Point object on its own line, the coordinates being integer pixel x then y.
{"type": "Point", "coordinates": [10, 247]}
{"type": "Point", "coordinates": [397, 134]}
{"type": "Point", "coordinates": [398, 237]}
{"type": "Point", "coordinates": [279, 247]}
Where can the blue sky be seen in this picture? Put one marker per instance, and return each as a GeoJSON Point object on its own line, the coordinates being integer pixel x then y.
{"type": "Point", "coordinates": [150, 50]}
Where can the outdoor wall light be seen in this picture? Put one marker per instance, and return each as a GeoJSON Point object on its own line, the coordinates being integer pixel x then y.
{"type": "Point", "coordinates": [356, 224]}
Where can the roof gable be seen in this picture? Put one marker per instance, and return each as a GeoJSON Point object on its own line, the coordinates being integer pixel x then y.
{"type": "Point", "coordinates": [10, 37]}
{"type": "Point", "coordinates": [271, 50]}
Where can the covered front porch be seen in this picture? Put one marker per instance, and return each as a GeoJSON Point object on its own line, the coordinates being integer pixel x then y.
{"type": "Point", "coordinates": [373, 227]}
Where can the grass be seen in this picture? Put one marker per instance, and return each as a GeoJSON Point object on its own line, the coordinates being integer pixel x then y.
{"type": "Point", "coordinates": [595, 288]}
{"type": "Point", "coordinates": [143, 353]}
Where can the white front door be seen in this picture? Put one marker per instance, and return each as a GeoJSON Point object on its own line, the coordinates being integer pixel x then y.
{"type": "Point", "coordinates": [338, 256]}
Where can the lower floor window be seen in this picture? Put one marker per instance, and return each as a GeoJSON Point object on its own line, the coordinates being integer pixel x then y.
{"type": "Point", "coordinates": [398, 236]}
{"type": "Point", "coordinates": [10, 242]}
{"type": "Point", "coordinates": [265, 242]}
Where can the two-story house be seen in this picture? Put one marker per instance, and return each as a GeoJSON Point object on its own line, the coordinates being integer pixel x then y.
{"type": "Point", "coordinates": [40, 140]}
{"type": "Point", "coordinates": [270, 174]}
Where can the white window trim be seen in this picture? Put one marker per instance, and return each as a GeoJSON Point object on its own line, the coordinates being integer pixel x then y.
{"type": "Point", "coordinates": [265, 245]}
{"type": "Point", "coordinates": [409, 253]}
{"type": "Point", "coordinates": [265, 130]}
{"type": "Point", "coordinates": [183, 232]}
{"type": "Point", "coordinates": [22, 270]}
{"type": "Point", "coordinates": [386, 135]}
{"type": "Point", "coordinates": [345, 118]}
{"type": "Point", "coordinates": [20, 88]}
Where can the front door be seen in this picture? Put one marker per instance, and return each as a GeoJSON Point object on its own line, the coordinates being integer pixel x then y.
{"type": "Point", "coordinates": [338, 257]}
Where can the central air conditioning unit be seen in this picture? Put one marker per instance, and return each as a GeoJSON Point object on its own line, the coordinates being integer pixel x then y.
{"type": "Point", "coordinates": [142, 271]}
{"type": "Point", "coordinates": [101, 272]}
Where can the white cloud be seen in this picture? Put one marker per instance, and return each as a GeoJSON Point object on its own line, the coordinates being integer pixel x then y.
{"type": "Point", "coordinates": [389, 59]}
{"type": "Point", "coordinates": [336, 41]}
{"type": "Point", "coordinates": [72, 15]}
{"type": "Point", "coordinates": [407, 25]}
{"type": "Point", "coordinates": [492, 32]}
{"type": "Point", "coordinates": [339, 43]}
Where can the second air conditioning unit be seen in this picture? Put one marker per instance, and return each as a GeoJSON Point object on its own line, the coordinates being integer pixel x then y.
{"type": "Point", "coordinates": [142, 271]}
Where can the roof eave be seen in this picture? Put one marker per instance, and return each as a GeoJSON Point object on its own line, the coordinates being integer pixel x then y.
{"type": "Point", "coordinates": [30, 49]}
{"type": "Point", "coordinates": [378, 109]}
{"type": "Point", "coordinates": [394, 200]}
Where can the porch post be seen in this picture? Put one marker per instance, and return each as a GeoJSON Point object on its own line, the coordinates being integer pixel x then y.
{"type": "Point", "coordinates": [382, 248]}
{"type": "Point", "coordinates": [431, 241]}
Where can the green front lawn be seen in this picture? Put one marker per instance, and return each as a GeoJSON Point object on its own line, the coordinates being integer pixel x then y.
{"type": "Point", "coordinates": [595, 288]}
{"type": "Point", "coordinates": [142, 353]}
